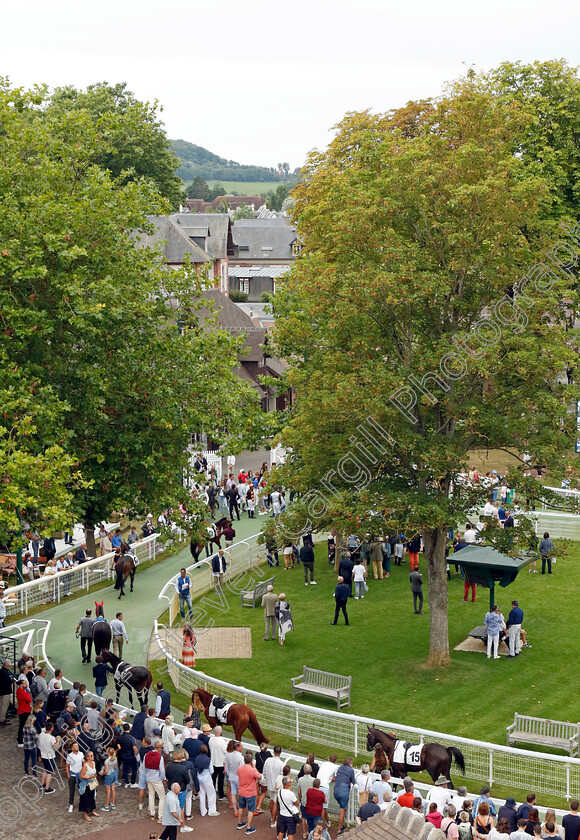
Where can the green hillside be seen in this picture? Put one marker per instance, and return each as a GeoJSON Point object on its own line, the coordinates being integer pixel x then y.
{"type": "Point", "coordinates": [195, 160]}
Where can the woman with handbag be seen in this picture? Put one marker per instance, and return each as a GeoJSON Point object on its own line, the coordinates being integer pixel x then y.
{"type": "Point", "coordinates": [88, 784]}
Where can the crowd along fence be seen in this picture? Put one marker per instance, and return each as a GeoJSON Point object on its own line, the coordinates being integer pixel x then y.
{"type": "Point", "coordinates": [31, 635]}
{"type": "Point", "coordinates": [53, 588]}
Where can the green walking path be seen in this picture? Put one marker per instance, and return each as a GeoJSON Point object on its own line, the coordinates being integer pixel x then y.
{"type": "Point", "coordinates": [140, 608]}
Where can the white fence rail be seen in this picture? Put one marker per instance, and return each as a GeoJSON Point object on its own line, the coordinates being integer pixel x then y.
{"type": "Point", "coordinates": [242, 556]}
{"type": "Point", "coordinates": [545, 774]}
{"type": "Point", "coordinates": [53, 588]}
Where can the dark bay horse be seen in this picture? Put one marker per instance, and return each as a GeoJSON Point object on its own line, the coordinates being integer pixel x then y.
{"type": "Point", "coordinates": [101, 630]}
{"type": "Point", "coordinates": [434, 758]}
{"type": "Point", "coordinates": [125, 567]}
{"type": "Point", "coordinates": [132, 677]}
{"type": "Point", "coordinates": [214, 535]}
{"type": "Point", "coordinates": [217, 710]}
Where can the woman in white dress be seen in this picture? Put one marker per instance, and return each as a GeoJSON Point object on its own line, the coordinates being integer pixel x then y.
{"type": "Point", "coordinates": [283, 617]}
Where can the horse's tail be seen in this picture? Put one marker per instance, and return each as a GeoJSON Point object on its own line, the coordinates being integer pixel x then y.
{"type": "Point", "coordinates": [254, 728]}
{"type": "Point", "coordinates": [458, 756]}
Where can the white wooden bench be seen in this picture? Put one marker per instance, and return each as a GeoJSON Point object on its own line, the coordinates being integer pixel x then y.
{"type": "Point", "coordinates": [324, 684]}
{"type": "Point", "coordinates": [544, 733]}
{"type": "Point", "coordinates": [254, 595]}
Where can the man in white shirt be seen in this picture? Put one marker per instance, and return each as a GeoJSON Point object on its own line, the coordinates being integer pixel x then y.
{"type": "Point", "coordinates": [217, 752]}
{"type": "Point", "coordinates": [490, 509]}
{"type": "Point", "coordinates": [48, 744]}
{"type": "Point", "coordinates": [470, 535]}
{"type": "Point", "coordinates": [56, 679]}
{"type": "Point", "coordinates": [440, 794]}
{"type": "Point", "coordinates": [74, 765]}
{"type": "Point", "coordinates": [272, 768]}
{"type": "Point", "coordinates": [382, 786]}
{"type": "Point", "coordinates": [62, 564]}
{"type": "Point", "coordinates": [119, 635]}
{"type": "Point", "coordinates": [326, 773]}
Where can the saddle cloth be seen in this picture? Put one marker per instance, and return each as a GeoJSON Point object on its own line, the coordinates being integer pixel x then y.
{"type": "Point", "coordinates": [409, 754]}
{"type": "Point", "coordinates": [122, 672]}
{"type": "Point", "coordinates": [218, 708]}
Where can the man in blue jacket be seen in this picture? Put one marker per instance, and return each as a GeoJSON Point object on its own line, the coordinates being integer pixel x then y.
{"type": "Point", "coordinates": [183, 586]}
{"type": "Point", "coordinates": [514, 625]}
{"type": "Point", "coordinates": [341, 594]}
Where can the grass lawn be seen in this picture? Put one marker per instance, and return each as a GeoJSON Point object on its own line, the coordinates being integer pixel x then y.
{"type": "Point", "coordinates": [386, 645]}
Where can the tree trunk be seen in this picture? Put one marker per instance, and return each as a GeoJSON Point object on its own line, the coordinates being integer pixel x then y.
{"type": "Point", "coordinates": [338, 549]}
{"type": "Point", "coordinates": [90, 539]}
{"type": "Point", "coordinates": [435, 540]}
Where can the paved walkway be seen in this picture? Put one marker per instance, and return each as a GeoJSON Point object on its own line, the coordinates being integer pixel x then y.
{"type": "Point", "coordinates": [140, 608]}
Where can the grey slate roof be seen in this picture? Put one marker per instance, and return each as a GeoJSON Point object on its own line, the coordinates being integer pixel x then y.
{"type": "Point", "coordinates": [250, 271]}
{"type": "Point", "coordinates": [395, 824]}
{"type": "Point", "coordinates": [260, 239]}
{"type": "Point", "coordinates": [219, 242]}
{"type": "Point", "coordinates": [175, 245]}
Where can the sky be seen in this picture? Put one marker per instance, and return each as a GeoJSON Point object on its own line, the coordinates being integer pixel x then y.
{"type": "Point", "coordinates": [264, 82]}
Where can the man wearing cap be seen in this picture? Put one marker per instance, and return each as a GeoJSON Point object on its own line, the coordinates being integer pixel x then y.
{"type": "Point", "coordinates": [508, 812]}
{"type": "Point", "coordinates": [483, 797]}
{"type": "Point", "coordinates": [85, 630]}
{"type": "Point", "coordinates": [269, 601]}
{"type": "Point", "coordinates": [203, 735]}
{"type": "Point", "coordinates": [440, 794]}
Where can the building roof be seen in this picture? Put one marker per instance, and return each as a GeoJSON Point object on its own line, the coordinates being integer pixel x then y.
{"type": "Point", "coordinates": [249, 271]}
{"type": "Point", "coordinates": [396, 824]}
{"type": "Point", "coordinates": [214, 228]}
{"type": "Point", "coordinates": [259, 239]}
{"type": "Point", "coordinates": [175, 246]}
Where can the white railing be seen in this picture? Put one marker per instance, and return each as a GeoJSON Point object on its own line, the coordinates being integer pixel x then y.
{"type": "Point", "coordinates": [547, 774]}
{"type": "Point", "coordinates": [53, 588]}
{"type": "Point", "coordinates": [32, 636]}
{"type": "Point", "coordinates": [242, 555]}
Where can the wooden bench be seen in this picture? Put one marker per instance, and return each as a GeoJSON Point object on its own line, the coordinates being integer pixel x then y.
{"type": "Point", "coordinates": [324, 684]}
{"type": "Point", "coordinates": [544, 733]}
{"type": "Point", "coordinates": [250, 597]}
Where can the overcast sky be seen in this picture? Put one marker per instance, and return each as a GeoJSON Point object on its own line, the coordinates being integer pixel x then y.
{"type": "Point", "coordinates": [262, 82]}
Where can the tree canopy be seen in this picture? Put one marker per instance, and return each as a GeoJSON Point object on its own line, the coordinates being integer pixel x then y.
{"type": "Point", "coordinates": [134, 142]}
{"type": "Point", "coordinates": [421, 323]}
{"type": "Point", "coordinates": [106, 369]}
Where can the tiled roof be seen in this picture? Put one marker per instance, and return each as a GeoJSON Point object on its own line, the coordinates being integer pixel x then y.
{"type": "Point", "coordinates": [396, 823]}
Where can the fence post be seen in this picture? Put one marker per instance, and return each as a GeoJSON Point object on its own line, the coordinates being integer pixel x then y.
{"type": "Point", "coordinates": [297, 724]}
{"type": "Point", "coordinates": [356, 737]}
{"type": "Point", "coordinates": [567, 781]}
{"type": "Point", "coordinates": [490, 780]}
{"type": "Point", "coordinates": [26, 602]}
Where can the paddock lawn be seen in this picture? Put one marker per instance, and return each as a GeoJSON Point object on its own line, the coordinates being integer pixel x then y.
{"type": "Point", "coordinates": [386, 645]}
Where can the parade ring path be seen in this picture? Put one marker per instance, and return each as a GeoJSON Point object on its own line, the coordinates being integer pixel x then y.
{"type": "Point", "coordinates": [51, 821]}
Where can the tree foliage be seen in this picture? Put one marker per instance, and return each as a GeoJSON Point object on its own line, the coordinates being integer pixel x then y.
{"type": "Point", "coordinates": [411, 337]}
{"type": "Point", "coordinates": [135, 145]}
{"type": "Point", "coordinates": [100, 388]}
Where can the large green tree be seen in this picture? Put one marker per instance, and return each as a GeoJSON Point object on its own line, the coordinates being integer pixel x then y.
{"type": "Point", "coordinates": [106, 367]}
{"type": "Point", "coordinates": [134, 141]}
{"type": "Point", "coordinates": [417, 324]}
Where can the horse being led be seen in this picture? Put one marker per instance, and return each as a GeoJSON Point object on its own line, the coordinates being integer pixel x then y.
{"type": "Point", "coordinates": [125, 567]}
{"type": "Point", "coordinates": [131, 677]}
{"type": "Point", "coordinates": [214, 535]}
{"type": "Point", "coordinates": [101, 630]}
{"type": "Point", "coordinates": [217, 710]}
{"type": "Point", "coordinates": [405, 758]}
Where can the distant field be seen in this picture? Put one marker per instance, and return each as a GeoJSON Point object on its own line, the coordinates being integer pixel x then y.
{"type": "Point", "coordinates": [248, 187]}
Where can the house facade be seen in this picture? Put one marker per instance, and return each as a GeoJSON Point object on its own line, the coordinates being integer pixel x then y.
{"type": "Point", "coordinates": [264, 250]}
